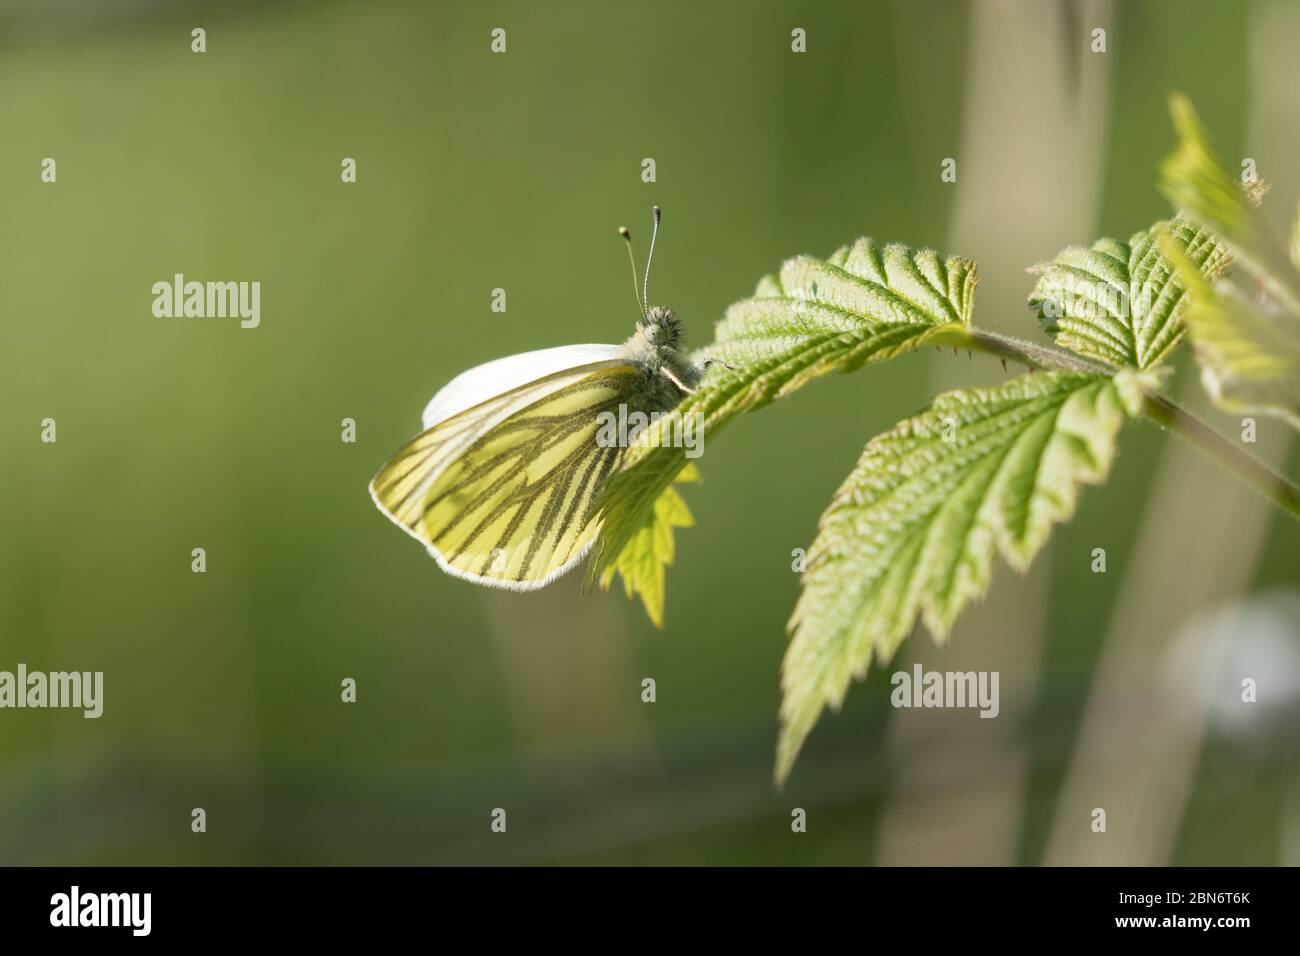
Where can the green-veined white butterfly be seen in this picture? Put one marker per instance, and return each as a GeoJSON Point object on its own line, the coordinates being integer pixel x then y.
{"type": "Point", "coordinates": [500, 485]}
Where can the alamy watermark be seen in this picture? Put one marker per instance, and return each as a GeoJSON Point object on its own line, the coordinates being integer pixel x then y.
{"type": "Point", "coordinates": [208, 300]}
{"type": "Point", "coordinates": [75, 908]}
{"type": "Point", "coordinates": [76, 690]}
{"type": "Point", "coordinates": [622, 429]}
{"type": "Point", "coordinates": [1081, 298]}
{"type": "Point", "coordinates": [923, 688]}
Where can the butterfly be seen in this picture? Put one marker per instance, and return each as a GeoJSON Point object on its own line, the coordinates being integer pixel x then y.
{"type": "Point", "coordinates": [501, 484]}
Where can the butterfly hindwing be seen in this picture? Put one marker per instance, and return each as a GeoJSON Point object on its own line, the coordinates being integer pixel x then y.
{"type": "Point", "coordinates": [503, 493]}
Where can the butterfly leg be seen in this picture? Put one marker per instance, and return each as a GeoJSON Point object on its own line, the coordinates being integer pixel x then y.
{"type": "Point", "coordinates": [686, 389]}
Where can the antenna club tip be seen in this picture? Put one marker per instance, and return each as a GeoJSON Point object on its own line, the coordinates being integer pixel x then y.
{"type": "Point", "coordinates": [623, 231]}
{"type": "Point", "coordinates": [656, 211]}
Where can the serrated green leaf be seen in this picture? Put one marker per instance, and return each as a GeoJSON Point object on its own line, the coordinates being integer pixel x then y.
{"type": "Point", "coordinates": [1120, 302]}
{"type": "Point", "coordinates": [865, 304]}
{"type": "Point", "coordinates": [1192, 178]}
{"type": "Point", "coordinates": [650, 550]}
{"type": "Point", "coordinates": [913, 530]}
{"type": "Point", "coordinates": [1249, 357]}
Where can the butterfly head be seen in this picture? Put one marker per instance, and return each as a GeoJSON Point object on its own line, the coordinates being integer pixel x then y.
{"type": "Point", "coordinates": [659, 337]}
{"type": "Point", "coordinates": [660, 328]}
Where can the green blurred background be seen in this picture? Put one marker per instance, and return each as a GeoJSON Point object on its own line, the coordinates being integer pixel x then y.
{"type": "Point", "coordinates": [477, 171]}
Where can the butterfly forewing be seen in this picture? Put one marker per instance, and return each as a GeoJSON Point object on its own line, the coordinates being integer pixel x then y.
{"type": "Point", "coordinates": [503, 492]}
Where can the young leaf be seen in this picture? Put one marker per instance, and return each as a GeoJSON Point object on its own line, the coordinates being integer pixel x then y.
{"type": "Point", "coordinates": [1248, 345]}
{"type": "Point", "coordinates": [1120, 302]}
{"type": "Point", "coordinates": [1249, 358]}
{"type": "Point", "coordinates": [866, 303]}
{"type": "Point", "coordinates": [650, 550]}
{"type": "Point", "coordinates": [1195, 182]}
{"type": "Point", "coordinates": [912, 531]}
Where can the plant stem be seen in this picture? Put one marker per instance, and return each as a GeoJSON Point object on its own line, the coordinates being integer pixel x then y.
{"type": "Point", "coordinates": [1031, 354]}
{"type": "Point", "coordinates": [1276, 487]}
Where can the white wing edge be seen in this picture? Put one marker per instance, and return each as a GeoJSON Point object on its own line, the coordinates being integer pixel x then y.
{"type": "Point", "coordinates": [486, 381]}
{"type": "Point", "coordinates": [504, 585]}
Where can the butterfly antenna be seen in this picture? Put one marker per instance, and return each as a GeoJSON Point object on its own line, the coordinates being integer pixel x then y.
{"type": "Point", "coordinates": [623, 231]}
{"type": "Point", "coordinates": [645, 284]}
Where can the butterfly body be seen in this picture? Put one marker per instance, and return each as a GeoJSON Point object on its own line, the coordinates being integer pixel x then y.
{"type": "Point", "coordinates": [656, 348]}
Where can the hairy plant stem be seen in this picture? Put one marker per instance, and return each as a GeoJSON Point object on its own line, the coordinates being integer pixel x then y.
{"type": "Point", "coordinates": [1276, 487]}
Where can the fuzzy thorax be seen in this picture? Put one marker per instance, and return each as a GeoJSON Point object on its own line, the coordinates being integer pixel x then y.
{"type": "Point", "coordinates": [658, 346]}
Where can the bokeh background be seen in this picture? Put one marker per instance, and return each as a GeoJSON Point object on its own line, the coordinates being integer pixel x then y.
{"type": "Point", "coordinates": [477, 171]}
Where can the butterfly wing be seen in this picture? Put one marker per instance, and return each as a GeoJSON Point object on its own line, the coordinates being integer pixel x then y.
{"type": "Point", "coordinates": [501, 493]}
{"type": "Point", "coordinates": [478, 399]}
